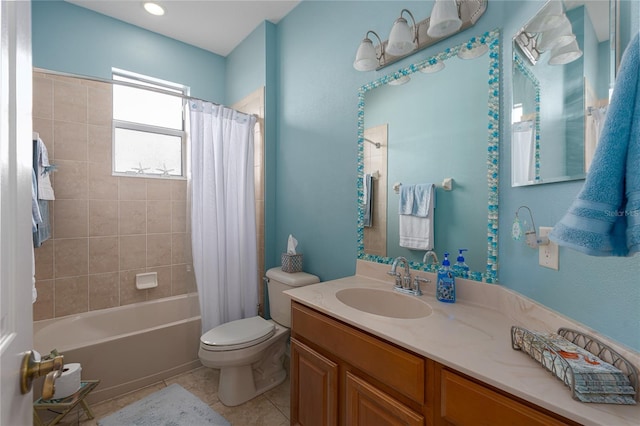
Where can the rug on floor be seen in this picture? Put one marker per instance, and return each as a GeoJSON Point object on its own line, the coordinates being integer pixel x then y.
{"type": "Point", "coordinates": [171, 406]}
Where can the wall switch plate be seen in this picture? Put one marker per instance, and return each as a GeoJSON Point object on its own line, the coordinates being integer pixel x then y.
{"type": "Point", "coordinates": [548, 253]}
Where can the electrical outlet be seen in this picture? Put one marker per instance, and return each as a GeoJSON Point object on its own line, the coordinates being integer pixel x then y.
{"type": "Point", "coordinates": [548, 253]}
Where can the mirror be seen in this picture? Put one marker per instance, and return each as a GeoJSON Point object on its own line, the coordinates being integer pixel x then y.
{"type": "Point", "coordinates": [437, 125]}
{"type": "Point", "coordinates": [562, 76]}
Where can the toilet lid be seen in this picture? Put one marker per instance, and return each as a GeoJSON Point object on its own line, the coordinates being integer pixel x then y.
{"type": "Point", "coordinates": [238, 334]}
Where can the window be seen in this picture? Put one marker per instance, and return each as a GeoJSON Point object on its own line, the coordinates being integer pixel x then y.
{"type": "Point", "coordinates": [148, 127]}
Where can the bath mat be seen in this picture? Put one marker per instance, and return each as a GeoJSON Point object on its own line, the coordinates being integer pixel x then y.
{"type": "Point", "coordinates": [171, 406]}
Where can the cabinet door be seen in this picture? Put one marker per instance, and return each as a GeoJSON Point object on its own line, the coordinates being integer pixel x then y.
{"type": "Point", "coordinates": [464, 402]}
{"type": "Point", "coordinates": [366, 405]}
{"type": "Point", "coordinates": [314, 387]}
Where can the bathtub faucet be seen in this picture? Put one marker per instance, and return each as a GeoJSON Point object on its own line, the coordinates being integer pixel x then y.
{"type": "Point", "coordinates": [32, 369]}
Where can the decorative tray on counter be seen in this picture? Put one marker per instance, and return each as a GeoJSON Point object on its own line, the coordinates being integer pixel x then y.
{"type": "Point", "coordinates": [592, 370]}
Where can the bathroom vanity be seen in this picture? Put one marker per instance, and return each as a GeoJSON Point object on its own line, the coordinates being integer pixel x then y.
{"type": "Point", "coordinates": [453, 366]}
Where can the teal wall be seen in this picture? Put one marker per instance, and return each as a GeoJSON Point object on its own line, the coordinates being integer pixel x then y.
{"type": "Point", "coordinates": [71, 39]}
{"type": "Point", "coordinates": [312, 153]}
{"type": "Point", "coordinates": [248, 61]}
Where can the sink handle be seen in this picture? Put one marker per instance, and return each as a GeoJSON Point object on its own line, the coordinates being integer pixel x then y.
{"type": "Point", "coordinates": [397, 276]}
{"type": "Point", "coordinates": [416, 284]}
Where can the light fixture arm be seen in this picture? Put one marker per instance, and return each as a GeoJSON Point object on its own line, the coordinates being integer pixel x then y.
{"type": "Point", "coordinates": [381, 57]}
{"type": "Point", "coordinates": [532, 238]}
{"type": "Point", "coordinates": [414, 26]}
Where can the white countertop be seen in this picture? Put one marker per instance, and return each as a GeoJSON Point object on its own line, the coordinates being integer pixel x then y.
{"type": "Point", "coordinates": [473, 336]}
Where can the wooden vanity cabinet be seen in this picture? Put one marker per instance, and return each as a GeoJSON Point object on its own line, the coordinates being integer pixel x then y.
{"type": "Point", "coordinates": [343, 376]}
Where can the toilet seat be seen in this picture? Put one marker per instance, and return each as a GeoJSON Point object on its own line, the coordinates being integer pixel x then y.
{"type": "Point", "coordinates": [237, 334]}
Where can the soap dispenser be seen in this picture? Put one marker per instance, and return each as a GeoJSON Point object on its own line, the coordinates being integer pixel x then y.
{"type": "Point", "coordinates": [461, 269]}
{"type": "Point", "coordinates": [446, 286]}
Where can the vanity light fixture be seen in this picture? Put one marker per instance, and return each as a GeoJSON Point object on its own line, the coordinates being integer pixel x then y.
{"type": "Point", "coordinates": [367, 57]}
{"type": "Point", "coordinates": [556, 37]}
{"type": "Point", "coordinates": [402, 39]}
{"type": "Point", "coordinates": [445, 19]}
{"type": "Point", "coordinates": [153, 8]}
{"type": "Point", "coordinates": [531, 237]}
{"type": "Point", "coordinates": [565, 54]}
{"type": "Point", "coordinates": [448, 17]}
{"type": "Point", "coordinates": [550, 16]}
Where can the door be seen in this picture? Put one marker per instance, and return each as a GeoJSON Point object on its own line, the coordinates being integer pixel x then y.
{"type": "Point", "coordinates": [16, 261]}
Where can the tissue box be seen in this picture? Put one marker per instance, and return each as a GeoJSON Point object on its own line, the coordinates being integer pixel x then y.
{"type": "Point", "coordinates": [291, 262]}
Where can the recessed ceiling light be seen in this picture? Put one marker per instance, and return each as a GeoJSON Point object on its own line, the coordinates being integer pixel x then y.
{"type": "Point", "coordinates": [153, 8]}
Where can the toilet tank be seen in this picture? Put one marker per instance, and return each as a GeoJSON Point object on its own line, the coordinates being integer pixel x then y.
{"type": "Point", "coordinates": [279, 282]}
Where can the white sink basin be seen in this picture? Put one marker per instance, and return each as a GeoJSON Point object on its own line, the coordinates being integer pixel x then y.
{"type": "Point", "coordinates": [386, 303]}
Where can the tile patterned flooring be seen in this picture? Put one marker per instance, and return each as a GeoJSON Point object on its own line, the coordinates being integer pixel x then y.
{"type": "Point", "coordinates": [268, 409]}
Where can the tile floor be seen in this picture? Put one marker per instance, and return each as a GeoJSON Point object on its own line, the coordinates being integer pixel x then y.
{"type": "Point", "coordinates": [268, 409]}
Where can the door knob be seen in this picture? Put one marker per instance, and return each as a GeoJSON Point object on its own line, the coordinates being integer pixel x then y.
{"type": "Point", "coordinates": [32, 369]}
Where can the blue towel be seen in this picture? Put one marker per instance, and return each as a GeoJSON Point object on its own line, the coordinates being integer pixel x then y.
{"type": "Point", "coordinates": [604, 220]}
{"type": "Point", "coordinates": [415, 200]}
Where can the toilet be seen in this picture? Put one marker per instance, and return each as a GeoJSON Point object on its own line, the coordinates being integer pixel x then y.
{"type": "Point", "coordinates": [250, 352]}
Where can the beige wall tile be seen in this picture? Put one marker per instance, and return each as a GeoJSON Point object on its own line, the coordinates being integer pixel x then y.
{"type": "Point", "coordinates": [70, 180]}
{"type": "Point", "coordinates": [178, 244]}
{"type": "Point", "coordinates": [133, 252]}
{"type": "Point", "coordinates": [43, 308]}
{"type": "Point", "coordinates": [104, 291]}
{"type": "Point", "coordinates": [70, 140]}
{"type": "Point", "coordinates": [178, 190]}
{"type": "Point", "coordinates": [69, 102]}
{"type": "Point", "coordinates": [158, 250]}
{"type": "Point", "coordinates": [71, 218]}
{"type": "Point", "coordinates": [179, 216]}
{"type": "Point", "coordinates": [103, 255]}
{"type": "Point", "coordinates": [71, 295]}
{"type": "Point", "coordinates": [132, 217]}
{"type": "Point", "coordinates": [158, 189]}
{"type": "Point", "coordinates": [128, 291]}
{"type": "Point", "coordinates": [102, 186]}
{"type": "Point", "coordinates": [71, 257]}
{"type": "Point", "coordinates": [99, 144]}
{"type": "Point", "coordinates": [99, 108]}
{"type": "Point", "coordinates": [178, 279]}
{"type": "Point", "coordinates": [132, 188]}
{"type": "Point", "coordinates": [42, 97]}
{"type": "Point", "coordinates": [158, 217]}
{"type": "Point", "coordinates": [103, 218]}
{"type": "Point", "coordinates": [164, 283]}
{"type": "Point", "coordinates": [44, 261]}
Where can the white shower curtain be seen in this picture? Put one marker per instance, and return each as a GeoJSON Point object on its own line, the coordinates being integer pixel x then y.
{"type": "Point", "coordinates": [223, 224]}
{"type": "Point", "coordinates": [523, 153]}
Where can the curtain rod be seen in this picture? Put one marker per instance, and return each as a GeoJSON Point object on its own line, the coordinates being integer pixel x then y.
{"type": "Point", "coordinates": [125, 83]}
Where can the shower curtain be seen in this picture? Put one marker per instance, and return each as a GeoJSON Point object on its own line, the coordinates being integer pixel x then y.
{"type": "Point", "coordinates": [223, 224]}
{"type": "Point", "coordinates": [523, 153]}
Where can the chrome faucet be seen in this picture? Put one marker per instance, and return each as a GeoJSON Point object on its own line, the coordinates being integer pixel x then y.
{"type": "Point", "coordinates": [430, 254]}
{"type": "Point", "coordinates": [405, 282]}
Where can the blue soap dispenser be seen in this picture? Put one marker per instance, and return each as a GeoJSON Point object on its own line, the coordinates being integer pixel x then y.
{"type": "Point", "coordinates": [446, 286]}
{"type": "Point", "coordinates": [461, 269]}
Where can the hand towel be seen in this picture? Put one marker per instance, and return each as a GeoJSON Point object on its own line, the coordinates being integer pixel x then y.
{"type": "Point", "coordinates": [45, 190]}
{"type": "Point", "coordinates": [604, 220]}
{"type": "Point", "coordinates": [416, 216]}
{"type": "Point", "coordinates": [367, 188]}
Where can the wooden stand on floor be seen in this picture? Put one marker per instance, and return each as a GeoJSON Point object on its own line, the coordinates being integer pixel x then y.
{"type": "Point", "coordinates": [63, 406]}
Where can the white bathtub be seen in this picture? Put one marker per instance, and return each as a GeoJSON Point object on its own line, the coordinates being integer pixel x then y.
{"type": "Point", "coordinates": [127, 347]}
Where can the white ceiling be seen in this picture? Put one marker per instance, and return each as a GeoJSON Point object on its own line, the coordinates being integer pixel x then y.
{"type": "Point", "coordinates": [214, 25]}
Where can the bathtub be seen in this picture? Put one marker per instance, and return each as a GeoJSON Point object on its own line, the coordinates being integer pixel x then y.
{"type": "Point", "coordinates": [126, 347]}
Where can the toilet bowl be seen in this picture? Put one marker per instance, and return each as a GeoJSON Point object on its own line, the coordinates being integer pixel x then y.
{"type": "Point", "coordinates": [250, 352]}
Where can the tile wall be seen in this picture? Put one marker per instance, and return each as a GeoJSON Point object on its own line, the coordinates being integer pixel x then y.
{"type": "Point", "coordinates": [105, 229]}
